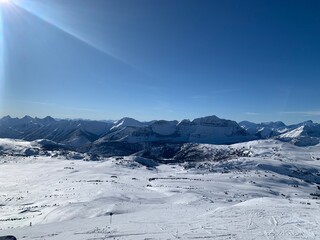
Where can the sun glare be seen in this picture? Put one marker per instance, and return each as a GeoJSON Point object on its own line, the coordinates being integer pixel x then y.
{"type": "Point", "coordinates": [5, 1]}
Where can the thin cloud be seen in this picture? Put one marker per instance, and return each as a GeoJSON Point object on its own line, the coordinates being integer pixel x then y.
{"type": "Point", "coordinates": [227, 90]}
{"type": "Point", "coordinates": [200, 96]}
{"type": "Point", "coordinates": [253, 113]}
{"type": "Point", "coordinates": [67, 108]}
{"type": "Point", "coordinates": [42, 103]}
{"type": "Point", "coordinates": [213, 93]}
{"type": "Point", "coordinates": [309, 113]}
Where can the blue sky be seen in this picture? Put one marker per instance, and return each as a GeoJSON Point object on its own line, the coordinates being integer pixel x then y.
{"type": "Point", "coordinates": [161, 59]}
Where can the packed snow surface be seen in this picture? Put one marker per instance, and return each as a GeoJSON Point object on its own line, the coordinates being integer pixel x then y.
{"type": "Point", "coordinates": [272, 193]}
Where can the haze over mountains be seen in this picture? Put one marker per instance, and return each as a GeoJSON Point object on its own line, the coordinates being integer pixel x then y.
{"type": "Point", "coordinates": [85, 135]}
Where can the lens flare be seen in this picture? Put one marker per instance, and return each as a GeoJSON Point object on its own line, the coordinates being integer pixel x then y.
{"type": "Point", "coordinates": [60, 19]}
{"type": "Point", "coordinates": [5, 1]}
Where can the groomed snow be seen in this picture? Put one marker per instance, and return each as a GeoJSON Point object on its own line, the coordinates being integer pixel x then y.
{"type": "Point", "coordinates": [270, 195]}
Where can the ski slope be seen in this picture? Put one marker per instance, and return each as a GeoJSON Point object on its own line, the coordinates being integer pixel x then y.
{"type": "Point", "coordinates": [271, 194]}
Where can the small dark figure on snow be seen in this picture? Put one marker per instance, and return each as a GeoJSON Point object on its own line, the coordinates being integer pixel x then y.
{"type": "Point", "coordinates": [111, 217]}
{"type": "Point", "coordinates": [8, 238]}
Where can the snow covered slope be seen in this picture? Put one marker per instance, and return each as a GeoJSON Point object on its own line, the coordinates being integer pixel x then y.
{"type": "Point", "coordinates": [271, 191]}
{"type": "Point", "coordinates": [264, 130]}
{"type": "Point", "coordinates": [306, 135]}
{"type": "Point", "coordinates": [17, 147]}
{"type": "Point", "coordinates": [201, 130]}
{"type": "Point", "coordinates": [84, 135]}
{"type": "Point", "coordinates": [215, 130]}
{"type": "Point", "coordinates": [71, 132]}
{"type": "Point", "coordinates": [271, 129]}
{"type": "Point", "coordinates": [126, 122]}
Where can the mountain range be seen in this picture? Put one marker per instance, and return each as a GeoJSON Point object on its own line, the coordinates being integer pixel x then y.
{"type": "Point", "coordinates": [302, 134]}
{"type": "Point", "coordinates": [127, 135]}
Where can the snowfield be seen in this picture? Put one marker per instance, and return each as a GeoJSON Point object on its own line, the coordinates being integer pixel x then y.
{"type": "Point", "coordinates": [270, 192]}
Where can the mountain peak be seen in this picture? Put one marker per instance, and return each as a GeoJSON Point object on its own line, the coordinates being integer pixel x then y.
{"type": "Point", "coordinates": [276, 124]}
{"type": "Point", "coordinates": [127, 122]}
{"type": "Point", "coordinates": [46, 120]}
{"type": "Point", "coordinates": [8, 117]}
{"type": "Point", "coordinates": [207, 120]}
{"type": "Point", "coordinates": [308, 122]}
{"type": "Point", "coordinates": [26, 117]}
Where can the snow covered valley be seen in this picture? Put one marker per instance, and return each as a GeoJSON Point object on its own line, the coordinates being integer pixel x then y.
{"type": "Point", "coordinates": [271, 190]}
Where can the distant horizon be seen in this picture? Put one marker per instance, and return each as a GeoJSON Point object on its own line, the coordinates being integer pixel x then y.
{"type": "Point", "coordinates": [141, 120]}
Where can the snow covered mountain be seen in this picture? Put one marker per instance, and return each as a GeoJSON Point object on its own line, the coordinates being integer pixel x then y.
{"type": "Point", "coordinates": [270, 129]}
{"type": "Point", "coordinates": [201, 130]}
{"type": "Point", "coordinates": [70, 132]}
{"type": "Point", "coordinates": [140, 170]}
{"type": "Point", "coordinates": [264, 130]}
{"type": "Point", "coordinates": [305, 135]}
{"type": "Point", "coordinates": [127, 135]}
{"type": "Point", "coordinates": [126, 122]}
{"type": "Point", "coordinates": [214, 130]}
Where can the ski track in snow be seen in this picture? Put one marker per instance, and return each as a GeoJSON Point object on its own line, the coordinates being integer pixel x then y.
{"type": "Point", "coordinates": [266, 196]}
